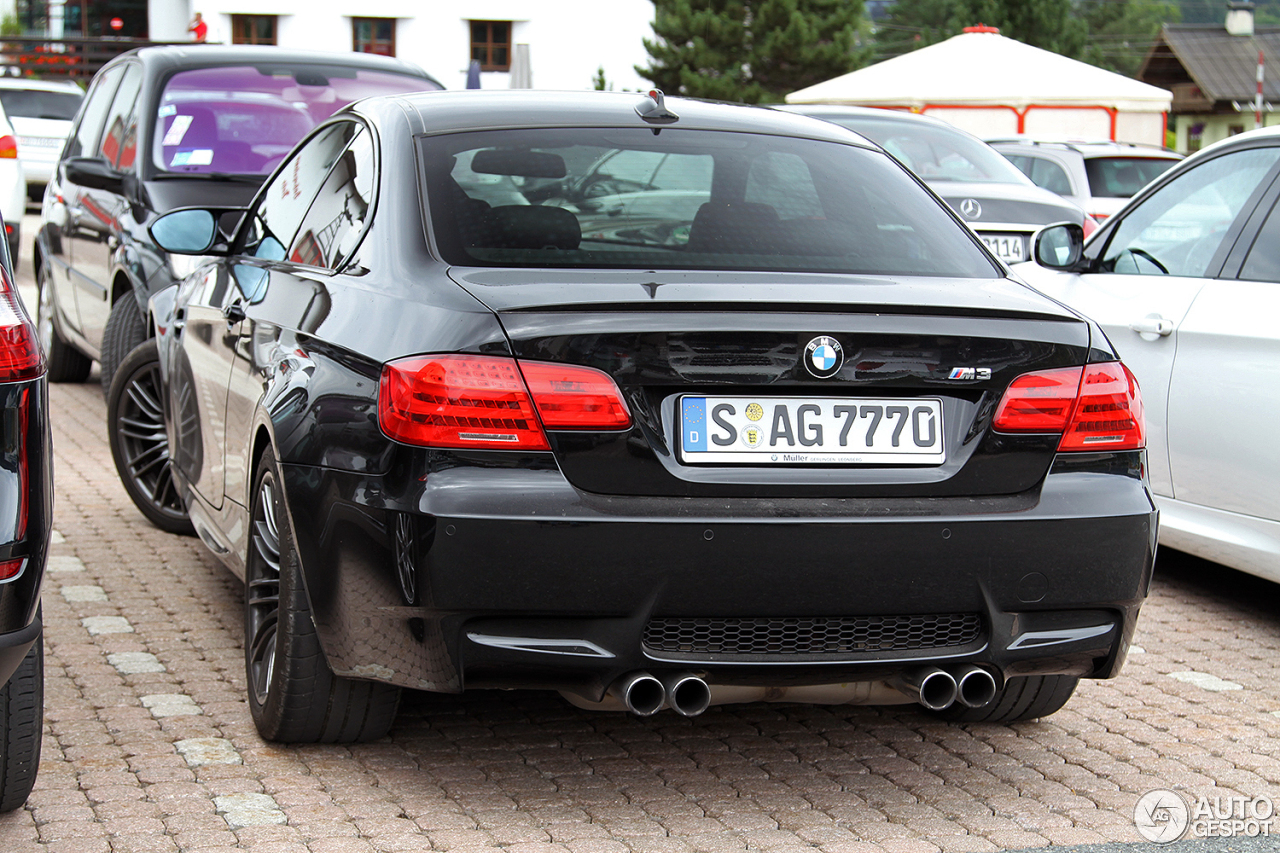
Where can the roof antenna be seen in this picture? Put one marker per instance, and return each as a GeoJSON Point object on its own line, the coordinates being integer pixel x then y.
{"type": "Point", "coordinates": [653, 109]}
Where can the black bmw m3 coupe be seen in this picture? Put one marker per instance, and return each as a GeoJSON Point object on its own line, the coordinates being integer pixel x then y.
{"type": "Point", "coordinates": [660, 404]}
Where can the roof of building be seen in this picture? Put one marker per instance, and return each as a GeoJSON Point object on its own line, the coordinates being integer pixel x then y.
{"type": "Point", "coordinates": [1223, 66]}
{"type": "Point", "coordinates": [984, 68]}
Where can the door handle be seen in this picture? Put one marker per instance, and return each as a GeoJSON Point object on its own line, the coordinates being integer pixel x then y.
{"type": "Point", "coordinates": [234, 312]}
{"type": "Point", "coordinates": [1152, 325]}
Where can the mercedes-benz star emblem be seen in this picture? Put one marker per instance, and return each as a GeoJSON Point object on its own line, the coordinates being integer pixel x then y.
{"type": "Point", "coordinates": [970, 208]}
{"type": "Point", "coordinates": [823, 357]}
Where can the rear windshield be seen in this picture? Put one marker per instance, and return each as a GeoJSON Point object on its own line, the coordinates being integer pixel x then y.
{"type": "Point", "coordinates": [34, 103]}
{"type": "Point", "coordinates": [244, 119]}
{"type": "Point", "coordinates": [1121, 177]}
{"type": "Point", "coordinates": [934, 153]}
{"type": "Point", "coordinates": [627, 198]}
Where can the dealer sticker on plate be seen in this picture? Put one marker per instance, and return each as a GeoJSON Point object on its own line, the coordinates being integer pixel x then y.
{"type": "Point", "coordinates": [811, 431]}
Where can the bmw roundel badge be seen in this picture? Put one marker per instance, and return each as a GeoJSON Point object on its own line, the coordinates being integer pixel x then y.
{"type": "Point", "coordinates": [823, 357]}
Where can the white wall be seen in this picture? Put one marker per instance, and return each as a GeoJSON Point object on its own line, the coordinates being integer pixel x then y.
{"type": "Point", "coordinates": [167, 21]}
{"type": "Point", "coordinates": [568, 39]}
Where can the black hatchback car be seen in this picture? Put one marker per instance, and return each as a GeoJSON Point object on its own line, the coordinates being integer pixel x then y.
{"type": "Point", "coordinates": [775, 427]}
{"type": "Point", "coordinates": [163, 128]}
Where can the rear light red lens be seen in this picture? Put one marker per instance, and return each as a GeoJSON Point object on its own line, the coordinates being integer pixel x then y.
{"type": "Point", "coordinates": [1090, 225]}
{"type": "Point", "coordinates": [458, 401]}
{"type": "Point", "coordinates": [493, 403]}
{"type": "Point", "coordinates": [1109, 413]}
{"type": "Point", "coordinates": [1039, 402]}
{"type": "Point", "coordinates": [1096, 407]}
{"type": "Point", "coordinates": [8, 147]}
{"type": "Point", "coordinates": [572, 397]}
{"type": "Point", "coordinates": [11, 568]}
{"type": "Point", "coordinates": [20, 355]}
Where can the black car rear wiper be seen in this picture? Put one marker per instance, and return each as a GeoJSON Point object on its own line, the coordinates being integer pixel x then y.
{"type": "Point", "coordinates": [227, 177]}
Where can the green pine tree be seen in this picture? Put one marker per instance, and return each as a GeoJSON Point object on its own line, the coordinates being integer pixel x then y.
{"type": "Point", "coordinates": [1121, 32]}
{"type": "Point", "coordinates": [751, 50]}
{"type": "Point", "coordinates": [1048, 24]}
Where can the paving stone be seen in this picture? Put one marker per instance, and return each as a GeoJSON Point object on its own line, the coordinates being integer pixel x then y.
{"type": "Point", "coordinates": [134, 663]}
{"type": "Point", "coordinates": [106, 625]}
{"type": "Point", "coordinates": [171, 705]}
{"type": "Point", "coordinates": [241, 810]}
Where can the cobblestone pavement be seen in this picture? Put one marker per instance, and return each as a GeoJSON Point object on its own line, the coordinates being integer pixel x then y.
{"type": "Point", "coordinates": [149, 746]}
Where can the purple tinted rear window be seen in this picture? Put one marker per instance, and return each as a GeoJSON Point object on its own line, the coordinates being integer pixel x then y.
{"type": "Point", "coordinates": [244, 119]}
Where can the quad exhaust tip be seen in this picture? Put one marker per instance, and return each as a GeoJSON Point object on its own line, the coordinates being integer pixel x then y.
{"type": "Point", "coordinates": [975, 687]}
{"type": "Point", "coordinates": [687, 694]}
{"type": "Point", "coordinates": [932, 687]}
{"type": "Point", "coordinates": [644, 695]}
{"type": "Point", "coordinates": [641, 693]}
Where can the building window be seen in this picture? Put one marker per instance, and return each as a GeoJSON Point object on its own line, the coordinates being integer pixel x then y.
{"type": "Point", "coordinates": [374, 35]}
{"type": "Point", "coordinates": [491, 44]}
{"type": "Point", "coordinates": [253, 29]}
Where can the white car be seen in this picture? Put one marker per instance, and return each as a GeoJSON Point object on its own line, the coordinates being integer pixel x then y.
{"type": "Point", "coordinates": [13, 188]}
{"type": "Point", "coordinates": [1098, 176]}
{"type": "Point", "coordinates": [1185, 280]}
{"type": "Point", "coordinates": [41, 114]}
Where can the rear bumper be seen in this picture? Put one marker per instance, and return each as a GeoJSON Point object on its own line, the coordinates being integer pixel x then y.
{"type": "Point", "coordinates": [447, 574]}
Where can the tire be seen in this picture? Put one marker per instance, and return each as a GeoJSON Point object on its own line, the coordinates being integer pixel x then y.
{"type": "Point", "coordinates": [125, 329]}
{"type": "Point", "coordinates": [294, 696]}
{"type": "Point", "coordinates": [140, 443]}
{"type": "Point", "coordinates": [21, 726]}
{"type": "Point", "coordinates": [66, 363]}
{"type": "Point", "coordinates": [1024, 698]}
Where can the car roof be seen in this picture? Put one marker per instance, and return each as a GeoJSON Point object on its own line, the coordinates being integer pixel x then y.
{"type": "Point", "coordinates": [1086, 148]}
{"type": "Point", "coordinates": [501, 109]}
{"type": "Point", "coordinates": [876, 113]}
{"type": "Point", "coordinates": [40, 85]}
{"type": "Point", "coordinates": [161, 58]}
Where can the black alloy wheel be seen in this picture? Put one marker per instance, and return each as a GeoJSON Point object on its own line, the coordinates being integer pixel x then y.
{"type": "Point", "coordinates": [293, 694]}
{"type": "Point", "coordinates": [139, 441]}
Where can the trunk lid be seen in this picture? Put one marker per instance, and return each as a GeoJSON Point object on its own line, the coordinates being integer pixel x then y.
{"type": "Point", "coordinates": [918, 348]}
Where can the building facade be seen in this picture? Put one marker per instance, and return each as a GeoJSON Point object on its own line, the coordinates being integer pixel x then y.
{"type": "Point", "coordinates": [568, 41]}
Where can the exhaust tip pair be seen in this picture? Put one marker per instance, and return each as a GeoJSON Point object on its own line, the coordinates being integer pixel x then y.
{"type": "Point", "coordinates": [644, 694]}
{"type": "Point", "coordinates": [938, 689]}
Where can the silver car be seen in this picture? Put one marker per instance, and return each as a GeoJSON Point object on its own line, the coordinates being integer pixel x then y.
{"type": "Point", "coordinates": [1185, 280]}
{"type": "Point", "coordinates": [1098, 176]}
{"type": "Point", "coordinates": [997, 201]}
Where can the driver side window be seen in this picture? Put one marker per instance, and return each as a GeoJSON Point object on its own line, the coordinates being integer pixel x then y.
{"type": "Point", "coordinates": [1179, 229]}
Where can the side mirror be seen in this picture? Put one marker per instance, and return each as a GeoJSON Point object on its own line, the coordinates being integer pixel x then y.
{"type": "Point", "coordinates": [1059, 246]}
{"type": "Point", "coordinates": [94, 174]}
{"type": "Point", "coordinates": [186, 232]}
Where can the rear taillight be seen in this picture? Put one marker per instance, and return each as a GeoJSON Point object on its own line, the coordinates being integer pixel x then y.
{"type": "Point", "coordinates": [1108, 415]}
{"type": "Point", "coordinates": [8, 147]}
{"type": "Point", "coordinates": [483, 402]}
{"type": "Point", "coordinates": [10, 569]}
{"type": "Point", "coordinates": [1090, 225]}
{"type": "Point", "coordinates": [573, 397]}
{"type": "Point", "coordinates": [1096, 407]}
{"type": "Point", "coordinates": [20, 356]}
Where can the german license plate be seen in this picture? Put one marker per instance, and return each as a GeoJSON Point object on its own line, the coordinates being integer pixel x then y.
{"type": "Point", "coordinates": [40, 142]}
{"type": "Point", "coordinates": [1010, 248]}
{"type": "Point", "coordinates": [811, 431]}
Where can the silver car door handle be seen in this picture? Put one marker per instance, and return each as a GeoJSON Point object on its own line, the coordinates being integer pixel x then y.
{"type": "Point", "coordinates": [1153, 325]}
